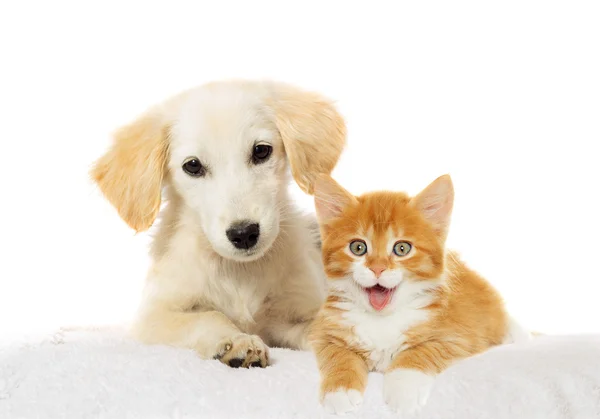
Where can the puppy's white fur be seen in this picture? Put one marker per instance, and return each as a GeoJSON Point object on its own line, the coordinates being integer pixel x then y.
{"type": "Point", "coordinates": [202, 292]}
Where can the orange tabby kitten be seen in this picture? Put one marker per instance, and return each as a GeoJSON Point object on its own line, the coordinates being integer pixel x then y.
{"type": "Point", "coordinates": [399, 303]}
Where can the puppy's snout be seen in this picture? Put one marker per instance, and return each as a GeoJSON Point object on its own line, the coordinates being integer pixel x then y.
{"type": "Point", "coordinates": [243, 234]}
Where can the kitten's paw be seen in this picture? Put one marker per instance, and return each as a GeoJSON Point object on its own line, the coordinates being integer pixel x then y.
{"type": "Point", "coordinates": [243, 351]}
{"type": "Point", "coordinates": [406, 390]}
{"type": "Point", "coordinates": [342, 401]}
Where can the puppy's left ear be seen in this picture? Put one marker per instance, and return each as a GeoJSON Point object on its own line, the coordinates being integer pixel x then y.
{"type": "Point", "coordinates": [312, 130]}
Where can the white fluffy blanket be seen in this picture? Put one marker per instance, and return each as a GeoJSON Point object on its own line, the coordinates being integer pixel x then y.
{"type": "Point", "coordinates": [84, 374]}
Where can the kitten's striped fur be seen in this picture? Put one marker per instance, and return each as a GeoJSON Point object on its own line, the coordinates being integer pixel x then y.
{"type": "Point", "coordinates": [407, 316]}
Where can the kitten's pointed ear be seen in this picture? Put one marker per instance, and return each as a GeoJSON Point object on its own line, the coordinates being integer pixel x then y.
{"type": "Point", "coordinates": [435, 203]}
{"type": "Point", "coordinates": [330, 198]}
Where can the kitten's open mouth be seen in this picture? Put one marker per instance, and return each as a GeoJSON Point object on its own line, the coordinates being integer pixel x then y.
{"type": "Point", "coordinates": [380, 296]}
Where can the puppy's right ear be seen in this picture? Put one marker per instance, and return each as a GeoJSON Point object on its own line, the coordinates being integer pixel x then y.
{"type": "Point", "coordinates": [312, 130]}
{"type": "Point", "coordinates": [130, 174]}
{"type": "Point", "coordinates": [330, 198]}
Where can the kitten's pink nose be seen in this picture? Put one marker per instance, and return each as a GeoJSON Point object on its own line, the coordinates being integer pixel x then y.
{"type": "Point", "coordinates": [377, 270]}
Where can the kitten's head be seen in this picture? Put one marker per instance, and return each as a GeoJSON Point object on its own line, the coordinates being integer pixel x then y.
{"type": "Point", "coordinates": [377, 242]}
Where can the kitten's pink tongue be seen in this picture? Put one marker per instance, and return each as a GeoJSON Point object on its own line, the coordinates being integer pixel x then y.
{"type": "Point", "coordinates": [379, 296]}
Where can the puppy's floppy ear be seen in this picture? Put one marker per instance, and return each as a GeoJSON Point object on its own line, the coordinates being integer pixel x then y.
{"type": "Point", "coordinates": [312, 130]}
{"type": "Point", "coordinates": [130, 174]}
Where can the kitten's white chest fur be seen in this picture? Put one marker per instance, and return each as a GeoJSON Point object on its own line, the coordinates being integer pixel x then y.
{"type": "Point", "coordinates": [383, 335]}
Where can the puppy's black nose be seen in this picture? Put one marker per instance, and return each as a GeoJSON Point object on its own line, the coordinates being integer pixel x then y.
{"type": "Point", "coordinates": [243, 235]}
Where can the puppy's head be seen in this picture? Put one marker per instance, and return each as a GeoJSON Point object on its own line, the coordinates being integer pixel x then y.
{"type": "Point", "coordinates": [224, 148]}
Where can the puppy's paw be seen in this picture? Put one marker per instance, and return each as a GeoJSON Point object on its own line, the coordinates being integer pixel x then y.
{"type": "Point", "coordinates": [406, 390]}
{"type": "Point", "coordinates": [243, 351]}
{"type": "Point", "coordinates": [342, 401]}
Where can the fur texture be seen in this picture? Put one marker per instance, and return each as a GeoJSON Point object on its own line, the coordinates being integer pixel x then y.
{"type": "Point", "coordinates": [94, 374]}
{"type": "Point", "coordinates": [203, 292]}
{"type": "Point", "coordinates": [398, 303]}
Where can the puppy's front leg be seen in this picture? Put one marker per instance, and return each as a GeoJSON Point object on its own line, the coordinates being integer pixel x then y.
{"type": "Point", "coordinates": [291, 313]}
{"type": "Point", "coordinates": [209, 333]}
{"type": "Point", "coordinates": [289, 334]}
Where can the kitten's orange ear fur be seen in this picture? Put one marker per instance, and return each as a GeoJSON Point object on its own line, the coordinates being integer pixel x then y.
{"type": "Point", "coordinates": [435, 203]}
{"type": "Point", "coordinates": [130, 174]}
{"type": "Point", "coordinates": [330, 198]}
{"type": "Point", "coordinates": [312, 130]}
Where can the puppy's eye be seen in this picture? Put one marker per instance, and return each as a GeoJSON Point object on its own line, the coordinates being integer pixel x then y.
{"type": "Point", "coordinates": [193, 167]}
{"type": "Point", "coordinates": [358, 247]}
{"type": "Point", "coordinates": [261, 153]}
{"type": "Point", "coordinates": [402, 248]}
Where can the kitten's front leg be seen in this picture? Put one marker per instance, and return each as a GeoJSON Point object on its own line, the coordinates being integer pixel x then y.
{"type": "Point", "coordinates": [343, 378]}
{"type": "Point", "coordinates": [406, 390]}
{"type": "Point", "coordinates": [409, 379]}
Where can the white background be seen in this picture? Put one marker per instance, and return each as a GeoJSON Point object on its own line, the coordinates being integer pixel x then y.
{"type": "Point", "coordinates": [505, 96]}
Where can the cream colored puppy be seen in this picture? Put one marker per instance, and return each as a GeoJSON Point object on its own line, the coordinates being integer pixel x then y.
{"type": "Point", "coordinates": [236, 268]}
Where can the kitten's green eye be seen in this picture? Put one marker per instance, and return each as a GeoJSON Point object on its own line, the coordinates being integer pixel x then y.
{"type": "Point", "coordinates": [358, 247]}
{"type": "Point", "coordinates": [402, 248]}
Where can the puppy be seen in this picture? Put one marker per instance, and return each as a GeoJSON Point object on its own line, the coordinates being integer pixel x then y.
{"type": "Point", "coordinates": [235, 267]}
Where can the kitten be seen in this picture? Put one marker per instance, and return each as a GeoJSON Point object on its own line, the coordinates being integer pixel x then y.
{"type": "Point", "coordinates": [398, 303]}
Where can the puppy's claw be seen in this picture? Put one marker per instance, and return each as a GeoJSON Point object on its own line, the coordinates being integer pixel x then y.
{"type": "Point", "coordinates": [243, 351]}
